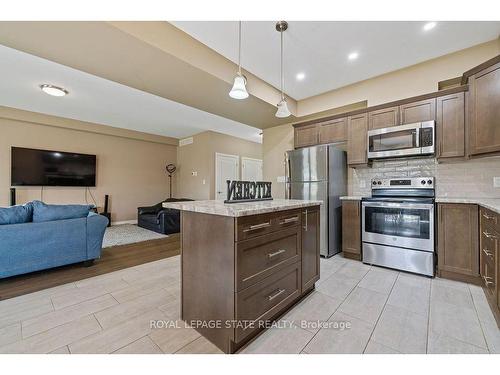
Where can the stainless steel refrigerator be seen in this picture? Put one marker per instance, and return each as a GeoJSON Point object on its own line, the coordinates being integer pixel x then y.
{"type": "Point", "coordinates": [320, 173]}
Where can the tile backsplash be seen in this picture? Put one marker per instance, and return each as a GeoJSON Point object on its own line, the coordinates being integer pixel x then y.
{"type": "Point", "coordinates": [472, 178]}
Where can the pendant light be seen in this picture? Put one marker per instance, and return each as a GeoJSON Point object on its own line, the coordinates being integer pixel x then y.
{"type": "Point", "coordinates": [239, 90]}
{"type": "Point", "coordinates": [283, 110]}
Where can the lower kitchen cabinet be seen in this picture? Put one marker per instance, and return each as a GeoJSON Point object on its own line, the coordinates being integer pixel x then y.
{"type": "Point", "coordinates": [310, 244]}
{"type": "Point", "coordinates": [351, 229]}
{"type": "Point", "coordinates": [458, 242]}
{"type": "Point", "coordinates": [489, 262]}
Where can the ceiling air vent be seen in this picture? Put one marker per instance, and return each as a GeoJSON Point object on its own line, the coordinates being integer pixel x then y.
{"type": "Point", "coordinates": [185, 141]}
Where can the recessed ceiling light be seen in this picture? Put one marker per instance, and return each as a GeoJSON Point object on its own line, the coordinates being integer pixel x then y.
{"type": "Point", "coordinates": [53, 90]}
{"type": "Point", "coordinates": [429, 26]}
{"type": "Point", "coordinates": [353, 56]}
{"type": "Point", "coordinates": [300, 76]}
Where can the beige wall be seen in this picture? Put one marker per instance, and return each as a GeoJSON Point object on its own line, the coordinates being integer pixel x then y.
{"type": "Point", "coordinates": [411, 81]}
{"type": "Point", "coordinates": [130, 168]}
{"type": "Point", "coordinates": [199, 157]}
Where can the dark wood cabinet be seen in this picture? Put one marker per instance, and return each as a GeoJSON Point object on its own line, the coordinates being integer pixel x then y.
{"type": "Point", "coordinates": [351, 229]}
{"type": "Point", "coordinates": [450, 126]}
{"type": "Point", "coordinates": [357, 128]}
{"type": "Point", "coordinates": [489, 254]}
{"type": "Point", "coordinates": [484, 111]}
{"type": "Point", "coordinates": [333, 131]}
{"type": "Point", "coordinates": [250, 268]}
{"type": "Point", "coordinates": [423, 110]}
{"type": "Point", "coordinates": [310, 244]}
{"type": "Point", "coordinates": [383, 118]}
{"type": "Point", "coordinates": [306, 136]}
{"type": "Point", "coordinates": [458, 242]}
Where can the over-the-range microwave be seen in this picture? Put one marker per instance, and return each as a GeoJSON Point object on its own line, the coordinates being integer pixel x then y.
{"type": "Point", "coordinates": [402, 140]}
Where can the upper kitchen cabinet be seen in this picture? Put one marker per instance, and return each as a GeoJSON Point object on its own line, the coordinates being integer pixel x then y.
{"type": "Point", "coordinates": [484, 111]}
{"type": "Point", "coordinates": [423, 110]}
{"type": "Point", "coordinates": [306, 136]}
{"type": "Point", "coordinates": [450, 126]}
{"type": "Point", "coordinates": [383, 118]}
{"type": "Point", "coordinates": [357, 128]}
{"type": "Point", "coordinates": [333, 131]}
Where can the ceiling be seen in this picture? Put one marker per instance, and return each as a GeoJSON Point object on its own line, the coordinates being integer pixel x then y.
{"type": "Point", "coordinates": [320, 49]}
{"type": "Point", "coordinates": [98, 100]}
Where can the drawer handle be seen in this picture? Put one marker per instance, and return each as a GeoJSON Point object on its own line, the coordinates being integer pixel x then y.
{"type": "Point", "coordinates": [257, 226]}
{"type": "Point", "coordinates": [489, 235]}
{"type": "Point", "coordinates": [488, 253]}
{"type": "Point", "coordinates": [276, 253]}
{"type": "Point", "coordinates": [290, 220]}
{"type": "Point", "coordinates": [486, 280]}
{"type": "Point", "coordinates": [278, 293]}
{"type": "Point", "coordinates": [488, 217]}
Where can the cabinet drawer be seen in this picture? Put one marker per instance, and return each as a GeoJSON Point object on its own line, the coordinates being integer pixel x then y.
{"type": "Point", "coordinates": [254, 225]}
{"type": "Point", "coordinates": [287, 219]}
{"type": "Point", "coordinates": [260, 257]}
{"type": "Point", "coordinates": [489, 243]}
{"type": "Point", "coordinates": [264, 300]}
{"type": "Point", "coordinates": [488, 275]}
{"type": "Point", "coordinates": [489, 219]}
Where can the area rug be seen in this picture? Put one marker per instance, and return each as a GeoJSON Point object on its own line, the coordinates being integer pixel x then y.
{"type": "Point", "coordinates": [128, 233]}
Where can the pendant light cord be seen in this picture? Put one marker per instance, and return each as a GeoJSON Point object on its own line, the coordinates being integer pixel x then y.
{"type": "Point", "coordinates": [239, 48]}
{"type": "Point", "coordinates": [282, 75]}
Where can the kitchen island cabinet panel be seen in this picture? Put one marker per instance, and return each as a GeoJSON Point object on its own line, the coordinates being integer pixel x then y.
{"type": "Point", "coordinates": [310, 242]}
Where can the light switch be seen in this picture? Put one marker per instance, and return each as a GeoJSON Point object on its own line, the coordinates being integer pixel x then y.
{"type": "Point", "coordinates": [203, 182]}
{"type": "Point", "coordinates": [281, 179]}
{"type": "Point", "coordinates": [496, 182]}
{"type": "Point", "coordinates": [194, 173]}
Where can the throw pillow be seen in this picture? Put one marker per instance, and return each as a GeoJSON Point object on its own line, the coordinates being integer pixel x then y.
{"type": "Point", "coordinates": [16, 214]}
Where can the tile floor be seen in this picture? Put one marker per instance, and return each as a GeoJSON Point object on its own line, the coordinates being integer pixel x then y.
{"type": "Point", "coordinates": [354, 309]}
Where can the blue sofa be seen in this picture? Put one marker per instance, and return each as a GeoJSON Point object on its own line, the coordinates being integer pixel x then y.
{"type": "Point", "coordinates": [37, 236]}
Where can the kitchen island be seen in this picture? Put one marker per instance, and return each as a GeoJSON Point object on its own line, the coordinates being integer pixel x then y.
{"type": "Point", "coordinates": [244, 264]}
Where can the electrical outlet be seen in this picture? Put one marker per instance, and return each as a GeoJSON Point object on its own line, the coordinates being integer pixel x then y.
{"type": "Point", "coordinates": [194, 173]}
{"type": "Point", "coordinates": [362, 184]}
{"type": "Point", "coordinates": [281, 179]}
{"type": "Point", "coordinates": [496, 182]}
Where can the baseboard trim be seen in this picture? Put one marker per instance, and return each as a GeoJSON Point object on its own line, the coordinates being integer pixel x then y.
{"type": "Point", "coordinates": [123, 222]}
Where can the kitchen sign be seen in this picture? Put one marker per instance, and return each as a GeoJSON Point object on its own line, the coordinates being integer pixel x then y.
{"type": "Point", "coordinates": [248, 191]}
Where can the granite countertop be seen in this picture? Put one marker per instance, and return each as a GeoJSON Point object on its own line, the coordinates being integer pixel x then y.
{"type": "Point", "coordinates": [217, 207]}
{"type": "Point", "coordinates": [353, 197]}
{"type": "Point", "coordinates": [489, 203]}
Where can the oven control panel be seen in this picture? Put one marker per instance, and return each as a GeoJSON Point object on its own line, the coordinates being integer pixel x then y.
{"type": "Point", "coordinates": [403, 183]}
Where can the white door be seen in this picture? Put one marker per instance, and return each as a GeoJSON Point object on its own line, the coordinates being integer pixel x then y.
{"type": "Point", "coordinates": [227, 167]}
{"type": "Point", "coordinates": [251, 169]}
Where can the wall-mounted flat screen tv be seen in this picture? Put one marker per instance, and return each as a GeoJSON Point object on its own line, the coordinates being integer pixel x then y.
{"type": "Point", "coordinates": [30, 167]}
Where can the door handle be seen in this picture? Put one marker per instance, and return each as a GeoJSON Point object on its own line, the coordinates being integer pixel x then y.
{"type": "Point", "coordinates": [489, 235]}
{"type": "Point", "coordinates": [290, 220]}
{"type": "Point", "coordinates": [257, 226]}
{"type": "Point", "coordinates": [276, 253]}
{"type": "Point", "coordinates": [487, 253]}
{"type": "Point", "coordinates": [306, 225]}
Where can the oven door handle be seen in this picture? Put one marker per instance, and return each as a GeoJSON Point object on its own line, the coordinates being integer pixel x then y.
{"type": "Point", "coordinates": [398, 205]}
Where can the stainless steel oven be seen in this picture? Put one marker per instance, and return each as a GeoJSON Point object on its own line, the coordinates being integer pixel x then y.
{"type": "Point", "coordinates": [398, 225]}
{"type": "Point", "coordinates": [403, 140]}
